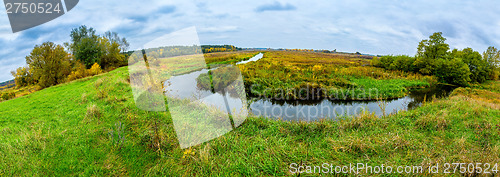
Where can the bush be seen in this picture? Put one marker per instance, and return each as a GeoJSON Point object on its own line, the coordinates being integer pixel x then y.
{"type": "Point", "coordinates": [386, 61]}
{"type": "Point", "coordinates": [95, 70]}
{"type": "Point", "coordinates": [8, 96]}
{"type": "Point", "coordinates": [403, 63]}
{"type": "Point", "coordinates": [79, 72]}
{"type": "Point", "coordinates": [494, 74]}
{"type": "Point", "coordinates": [375, 61]}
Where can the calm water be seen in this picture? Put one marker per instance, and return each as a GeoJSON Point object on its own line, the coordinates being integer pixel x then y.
{"type": "Point", "coordinates": [255, 58]}
{"type": "Point", "coordinates": [332, 109]}
{"type": "Point", "coordinates": [185, 86]}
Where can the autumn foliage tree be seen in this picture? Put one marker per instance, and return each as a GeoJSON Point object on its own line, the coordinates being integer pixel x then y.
{"type": "Point", "coordinates": [22, 77]}
{"type": "Point", "coordinates": [49, 64]}
{"type": "Point", "coordinates": [110, 56]}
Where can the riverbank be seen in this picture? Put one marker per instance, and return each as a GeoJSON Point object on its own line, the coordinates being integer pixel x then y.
{"type": "Point", "coordinates": [84, 128]}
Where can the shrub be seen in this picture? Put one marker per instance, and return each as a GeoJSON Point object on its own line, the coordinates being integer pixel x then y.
{"type": "Point", "coordinates": [375, 61]}
{"type": "Point", "coordinates": [494, 74]}
{"type": "Point", "coordinates": [95, 70]}
{"type": "Point", "coordinates": [8, 96]}
{"type": "Point", "coordinates": [79, 72]}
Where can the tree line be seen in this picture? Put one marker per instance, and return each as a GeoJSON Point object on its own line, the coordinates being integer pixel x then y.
{"type": "Point", "coordinates": [457, 67]}
{"type": "Point", "coordinates": [85, 55]}
{"type": "Point", "coordinates": [218, 48]}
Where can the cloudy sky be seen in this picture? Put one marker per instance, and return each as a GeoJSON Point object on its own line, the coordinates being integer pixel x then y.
{"type": "Point", "coordinates": [373, 27]}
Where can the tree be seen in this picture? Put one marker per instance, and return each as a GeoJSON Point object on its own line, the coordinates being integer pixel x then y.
{"type": "Point", "coordinates": [492, 57]}
{"type": "Point", "coordinates": [49, 64]}
{"type": "Point", "coordinates": [478, 67]}
{"type": "Point", "coordinates": [111, 54]}
{"type": "Point", "coordinates": [22, 77]}
{"type": "Point", "coordinates": [113, 37]}
{"type": "Point", "coordinates": [77, 34]}
{"type": "Point", "coordinates": [430, 51]}
{"type": "Point", "coordinates": [453, 71]}
{"type": "Point", "coordinates": [90, 48]}
{"type": "Point", "coordinates": [85, 46]}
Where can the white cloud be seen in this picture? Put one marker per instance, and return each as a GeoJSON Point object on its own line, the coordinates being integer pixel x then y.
{"type": "Point", "coordinates": [218, 29]}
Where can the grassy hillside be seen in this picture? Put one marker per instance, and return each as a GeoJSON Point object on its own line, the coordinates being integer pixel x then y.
{"type": "Point", "coordinates": [92, 127]}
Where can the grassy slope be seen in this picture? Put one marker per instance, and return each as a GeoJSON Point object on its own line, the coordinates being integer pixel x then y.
{"type": "Point", "coordinates": [74, 128]}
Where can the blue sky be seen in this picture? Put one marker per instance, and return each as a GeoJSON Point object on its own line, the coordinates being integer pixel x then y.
{"type": "Point", "coordinates": [374, 27]}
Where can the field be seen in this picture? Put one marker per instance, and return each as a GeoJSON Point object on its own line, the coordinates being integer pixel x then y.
{"type": "Point", "coordinates": [92, 127]}
{"type": "Point", "coordinates": [293, 75]}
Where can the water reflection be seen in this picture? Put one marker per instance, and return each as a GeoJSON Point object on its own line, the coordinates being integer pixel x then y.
{"type": "Point", "coordinates": [310, 110]}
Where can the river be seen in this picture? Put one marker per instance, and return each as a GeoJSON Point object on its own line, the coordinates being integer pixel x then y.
{"type": "Point", "coordinates": [309, 110]}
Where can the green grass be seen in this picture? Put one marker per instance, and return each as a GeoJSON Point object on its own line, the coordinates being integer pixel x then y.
{"type": "Point", "coordinates": [91, 127]}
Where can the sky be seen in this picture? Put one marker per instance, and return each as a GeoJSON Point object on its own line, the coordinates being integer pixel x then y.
{"type": "Point", "coordinates": [366, 26]}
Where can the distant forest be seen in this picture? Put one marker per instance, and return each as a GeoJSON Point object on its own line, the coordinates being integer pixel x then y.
{"type": "Point", "coordinates": [218, 48]}
{"type": "Point", "coordinates": [7, 84]}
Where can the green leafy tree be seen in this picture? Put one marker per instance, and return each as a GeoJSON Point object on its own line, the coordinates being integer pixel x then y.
{"type": "Point", "coordinates": [430, 51]}
{"type": "Point", "coordinates": [478, 67]}
{"type": "Point", "coordinates": [49, 64]}
{"type": "Point", "coordinates": [492, 57]}
{"type": "Point", "coordinates": [85, 46]}
{"type": "Point", "coordinates": [90, 48]}
{"type": "Point", "coordinates": [453, 71]}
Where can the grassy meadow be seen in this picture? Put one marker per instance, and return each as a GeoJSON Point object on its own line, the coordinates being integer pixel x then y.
{"type": "Point", "coordinates": [92, 127]}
